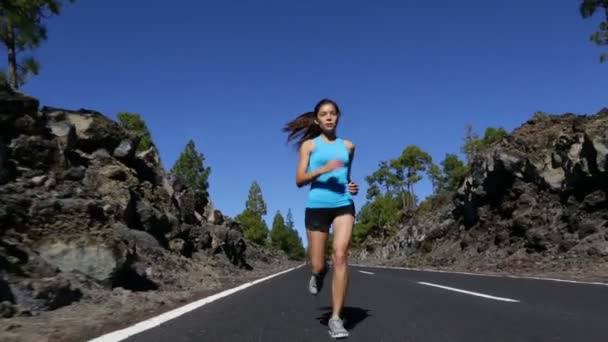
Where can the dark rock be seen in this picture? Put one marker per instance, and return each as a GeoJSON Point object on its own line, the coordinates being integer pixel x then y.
{"type": "Point", "coordinates": [12, 106]}
{"type": "Point", "coordinates": [33, 151]}
{"type": "Point", "coordinates": [143, 241]}
{"type": "Point", "coordinates": [6, 294]}
{"type": "Point", "coordinates": [595, 200]}
{"type": "Point", "coordinates": [94, 258]}
{"type": "Point", "coordinates": [7, 309]}
{"type": "Point", "coordinates": [177, 246]}
{"type": "Point", "coordinates": [55, 293]}
{"type": "Point", "coordinates": [152, 220]}
{"type": "Point", "coordinates": [93, 129]}
{"type": "Point", "coordinates": [148, 166]}
{"type": "Point", "coordinates": [7, 168]}
{"type": "Point", "coordinates": [192, 205]}
{"type": "Point", "coordinates": [74, 173]}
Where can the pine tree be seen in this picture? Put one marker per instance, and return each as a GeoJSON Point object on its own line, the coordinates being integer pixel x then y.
{"type": "Point", "coordinates": [289, 222]}
{"type": "Point", "coordinates": [251, 219]}
{"type": "Point", "coordinates": [190, 167]}
{"type": "Point", "coordinates": [21, 29]}
{"type": "Point", "coordinates": [278, 233]}
{"type": "Point", "coordinates": [600, 37]}
{"type": "Point", "coordinates": [255, 201]}
{"type": "Point", "coordinates": [254, 227]}
{"type": "Point", "coordinates": [134, 123]}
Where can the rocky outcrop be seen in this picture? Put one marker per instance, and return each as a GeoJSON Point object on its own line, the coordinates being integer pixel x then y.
{"type": "Point", "coordinates": [80, 209]}
{"type": "Point", "coordinates": [538, 197]}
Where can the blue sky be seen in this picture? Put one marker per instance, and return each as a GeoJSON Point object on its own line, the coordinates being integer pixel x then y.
{"type": "Point", "coordinates": [229, 74]}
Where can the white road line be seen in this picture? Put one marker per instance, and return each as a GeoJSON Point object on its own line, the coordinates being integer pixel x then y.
{"type": "Point", "coordinates": [365, 272]}
{"type": "Point", "coordinates": [483, 275]}
{"type": "Point", "coordinates": [120, 335]}
{"type": "Point", "coordinates": [470, 292]}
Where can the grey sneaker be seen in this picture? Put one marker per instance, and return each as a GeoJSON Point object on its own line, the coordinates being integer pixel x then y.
{"type": "Point", "coordinates": [336, 328]}
{"type": "Point", "coordinates": [315, 284]}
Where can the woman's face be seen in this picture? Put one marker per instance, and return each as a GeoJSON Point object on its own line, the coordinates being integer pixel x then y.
{"type": "Point", "coordinates": [327, 117]}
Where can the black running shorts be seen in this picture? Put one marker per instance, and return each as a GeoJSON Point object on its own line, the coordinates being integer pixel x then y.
{"type": "Point", "coordinates": [320, 219]}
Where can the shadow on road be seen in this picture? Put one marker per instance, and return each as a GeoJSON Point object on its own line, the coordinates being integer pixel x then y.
{"type": "Point", "coordinates": [351, 315]}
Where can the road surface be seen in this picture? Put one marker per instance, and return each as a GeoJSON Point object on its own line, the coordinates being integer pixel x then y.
{"type": "Point", "coordinates": [399, 305]}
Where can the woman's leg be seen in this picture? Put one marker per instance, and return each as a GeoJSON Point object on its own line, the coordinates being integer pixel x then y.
{"type": "Point", "coordinates": [317, 242]}
{"type": "Point", "coordinates": [343, 228]}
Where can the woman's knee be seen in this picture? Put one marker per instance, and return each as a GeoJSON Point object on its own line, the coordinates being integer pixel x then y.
{"type": "Point", "coordinates": [340, 256]}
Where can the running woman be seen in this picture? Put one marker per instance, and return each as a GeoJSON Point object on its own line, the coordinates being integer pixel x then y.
{"type": "Point", "coordinates": [325, 163]}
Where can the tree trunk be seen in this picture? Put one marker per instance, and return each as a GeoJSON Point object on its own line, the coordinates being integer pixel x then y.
{"type": "Point", "coordinates": [412, 197]}
{"type": "Point", "coordinates": [12, 60]}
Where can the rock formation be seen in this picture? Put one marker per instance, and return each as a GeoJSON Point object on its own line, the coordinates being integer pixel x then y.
{"type": "Point", "coordinates": [80, 208]}
{"type": "Point", "coordinates": [537, 200]}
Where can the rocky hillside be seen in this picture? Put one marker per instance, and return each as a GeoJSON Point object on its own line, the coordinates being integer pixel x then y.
{"type": "Point", "coordinates": [82, 215]}
{"type": "Point", "coordinates": [535, 203]}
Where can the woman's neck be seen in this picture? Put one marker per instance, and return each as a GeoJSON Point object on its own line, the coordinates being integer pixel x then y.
{"type": "Point", "coordinates": [329, 136]}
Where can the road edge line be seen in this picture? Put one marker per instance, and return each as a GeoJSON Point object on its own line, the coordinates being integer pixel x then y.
{"type": "Point", "coordinates": [483, 274]}
{"type": "Point", "coordinates": [147, 324]}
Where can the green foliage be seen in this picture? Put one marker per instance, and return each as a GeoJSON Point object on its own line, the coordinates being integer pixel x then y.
{"type": "Point", "coordinates": [474, 145]}
{"type": "Point", "coordinates": [135, 124]}
{"type": "Point", "coordinates": [454, 171]}
{"type": "Point", "coordinates": [493, 135]}
{"type": "Point", "coordinates": [390, 193]}
{"type": "Point", "coordinates": [436, 177]}
{"type": "Point", "coordinates": [278, 232]}
{"type": "Point", "coordinates": [254, 226]}
{"type": "Point", "coordinates": [284, 237]}
{"type": "Point", "coordinates": [600, 37]}
{"type": "Point", "coordinates": [190, 167]}
{"type": "Point", "coordinates": [379, 217]}
{"type": "Point", "coordinates": [471, 143]}
{"type": "Point", "coordinates": [289, 219]}
{"type": "Point", "coordinates": [255, 200]}
{"type": "Point", "coordinates": [22, 28]}
{"type": "Point", "coordinates": [434, 202]}
{"type": "Point", "coordinates": [408, 168]}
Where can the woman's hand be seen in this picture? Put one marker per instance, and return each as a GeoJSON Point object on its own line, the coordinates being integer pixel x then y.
{"type": "Point", "coordinates": [353, 188]}
{"type": "Point", "coordinates": [332, 165]}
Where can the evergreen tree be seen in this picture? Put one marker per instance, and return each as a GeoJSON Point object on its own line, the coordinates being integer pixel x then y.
{"type": "Point", "coordinates": [255, 202]}
{"type": "Point", "coordinates": [251, 219]}
{"type": "Point", "coordinates": [408, 168]}
{"type": "Point", "coordinates": [474, 145]}
{"type": "Point", "coordinates": [22, 28]}
{"type": "Point", "coordinates": [454, 171]}
{"type": "Point", "coordinates": [284, 237]}
{"type": "Point", "coordinates": [134, 123]}
{"type": "Point", "coordinates": [190, 167]}
{"type": "Point", "coordinates": [437, 179]}
{"type": "Point", "coordinates": [600, 37]}
{"type": "Point", "coordinates": [254, 227]}
{"type": "Point", "coordinates": [278, 233]}
{"type": "Point", "coordinates": [289, 222]}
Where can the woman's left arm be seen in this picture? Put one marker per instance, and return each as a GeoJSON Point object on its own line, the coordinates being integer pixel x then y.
{"type": "Point", "coordinates": [353, 187]}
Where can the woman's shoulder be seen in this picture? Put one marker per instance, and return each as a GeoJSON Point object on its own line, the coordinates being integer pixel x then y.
{"type": "Point", "coordinates": [349, 144]}
{"type": "Point", "coordinates": [308, 145]}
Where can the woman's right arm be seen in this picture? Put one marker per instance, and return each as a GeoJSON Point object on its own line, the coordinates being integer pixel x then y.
{"type": "Point", "coordinates": [302, 177]}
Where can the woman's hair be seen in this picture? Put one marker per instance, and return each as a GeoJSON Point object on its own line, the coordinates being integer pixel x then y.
{"type": "Point", "coordinates": [304, 127]}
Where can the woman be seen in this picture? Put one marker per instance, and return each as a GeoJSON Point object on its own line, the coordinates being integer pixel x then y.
{"type": "Point", "coordinates": [325, 163]}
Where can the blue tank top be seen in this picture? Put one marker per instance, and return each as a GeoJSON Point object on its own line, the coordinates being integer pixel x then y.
{"type": "Point", "coordinates": [330, 189]}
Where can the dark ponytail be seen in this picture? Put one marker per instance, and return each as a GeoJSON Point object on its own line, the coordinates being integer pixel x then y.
{"type": "Point", "coordinates": [304, 127]}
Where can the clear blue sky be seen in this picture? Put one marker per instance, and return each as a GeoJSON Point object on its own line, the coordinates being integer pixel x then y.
{"type": "Point", "coordinates": [229, 74]}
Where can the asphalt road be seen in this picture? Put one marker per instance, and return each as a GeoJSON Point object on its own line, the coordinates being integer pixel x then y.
{"type": "Point", "coordinates": [399, 305]}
